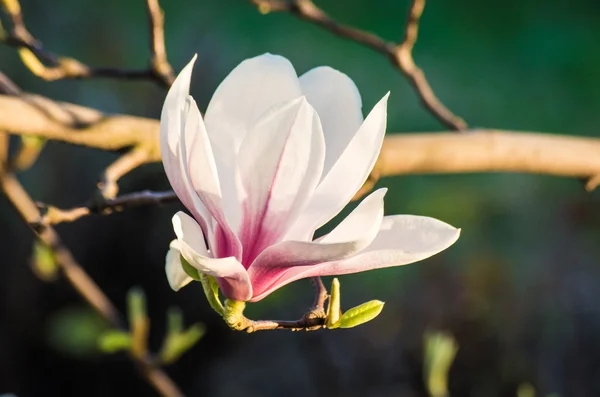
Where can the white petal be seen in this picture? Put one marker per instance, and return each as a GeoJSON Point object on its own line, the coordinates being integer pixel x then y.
{"type": "Point", "coordinates": [403, 239]}
{"type": "Point", "coordinates": [346, 176]}
{"type": "Point", "coordinates": [253, 87]}
{"type": "Point", "coordinates": [352, 235]}
{"type": "Point", "coordinates": [419, 235]}
{"type": "Point", "coordinates": [172, 123]}
{"type": "Point", "coordinates": [203, 176]}
{"type": "Point", "coordinates": [233, 278]}
{"type": "Point", "coordinates": [337, 101]}
{"type": "Point", "coordinates": [364, 220]}
{"type": "Point", "coordinates": [176, 276]}
{"type": "Point", "coordinates": [279, 165]}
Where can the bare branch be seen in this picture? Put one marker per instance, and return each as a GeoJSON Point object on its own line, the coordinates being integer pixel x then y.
{"type": "Point", "coordinates": [400, 55]}
{"type": "Point", "coordinates": [51, 67]}
{"type": "Point", "coordinates": [42, 117]}
{"type": "Point", "coordinates": [125, 164]}
{"type": "Point", "coordinates": [158, 62]}
{"type": "Point", "coordinates": [102, 206]}
{"type": "Point", "coordinates": [481, 150]}
{"type": "Point", "coordinates": [79, 279]}
{"type": "Point", "coordinates": [7, 86]}
{"type": "Point", "coordinates": [406, 63]}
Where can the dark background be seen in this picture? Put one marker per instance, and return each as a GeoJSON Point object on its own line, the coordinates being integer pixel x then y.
{"type": "Point", "coordinates": [519, 291]}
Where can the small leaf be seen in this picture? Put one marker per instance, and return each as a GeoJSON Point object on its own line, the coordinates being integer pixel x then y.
{"type": "Point", "coordinates": [211, 290]}
{"type": "Point", "coordinates": [75, 331]}
{"type": "Point", "coordinates": [177, 344]}
{"type": "Point", "coordinates": [333, 309]}
{"type": "Point", "coordinates": [113, 341]}
{"type": "Point", "coordinates": [189, 269]}
{"type": "Point", "coordinates": [361, 314]}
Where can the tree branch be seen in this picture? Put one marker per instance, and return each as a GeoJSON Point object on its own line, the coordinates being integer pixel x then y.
{"type": "Point", "coordinates": [51, 67]}
{"type": "Point", "coordinates": [79, 279]}
{"type": "Point", "coordinates": [102, 206]}
{"type": "Point", "coordinates": [158, 61]}
{"type": "Point", "coordinates": [400, 55]}
{"type": "Point", "coordinates": [481, 150]}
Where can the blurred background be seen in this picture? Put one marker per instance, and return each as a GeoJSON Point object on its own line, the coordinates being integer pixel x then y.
{"type": "Point", "coordinates": [519, 291]}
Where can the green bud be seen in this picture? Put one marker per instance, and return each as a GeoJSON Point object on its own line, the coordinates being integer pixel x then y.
{"type": "Point", "coordinates": [333, 309]}
{"type": "Point", "coordinates": [361, 314]}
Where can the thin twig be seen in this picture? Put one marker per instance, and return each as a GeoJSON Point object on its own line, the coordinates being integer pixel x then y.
{"type": "Point", "coordinates": [51, 67]}
{"type": "Point", "coordinates": [79, 279]}
{"type": "Point", "coordinates": [126, 163]}
{"type": "Point", "coordinates": [158, 61]}
{"type": "Point", "coordinates": [320, 295]}
{"type": "Point", "coordinates": [400, 55]}
{"type": "Point", "coordinates": [405, 61]}
{"type": "Point", "coordinates": [7, 86]}
{"type": "Point", "coordinates": [101, 206]}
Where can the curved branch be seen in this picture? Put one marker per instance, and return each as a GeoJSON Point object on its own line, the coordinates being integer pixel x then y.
{"type": "Point", "coordinates": [479, 150]}
{"type": "Point", "coordinates": [80, 280]}
{"type": "Point", "coordinates": [49, 66]}
{"type": "Point", "coordinates": [399, 54]}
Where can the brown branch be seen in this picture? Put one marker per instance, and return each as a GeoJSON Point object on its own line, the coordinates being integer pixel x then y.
{"type": "Point", "coordinates": [87, 127]}
{"type": "Point", "coordinates": [488, 150]}
{"type": "Point", "coordinates": [42, 117]}
{"type": "Point", "coordinates": [405, 61]}
{"type": "Point", "coordinates": [400, 55]}
{"type": "Point", "coordinates": [481, 150]}
{"type": "Point", "coordinates": [51, 67]}
{"type": "Point", "coordinates": [158, 61]}
{"type": "Point", "coordinates": [102, 206]}
{"type": "Point", "coordinates": [79, 279]}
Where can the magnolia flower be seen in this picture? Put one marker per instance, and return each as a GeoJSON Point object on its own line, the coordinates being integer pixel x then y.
{"type": "Point", "coordinates": [276, 157]}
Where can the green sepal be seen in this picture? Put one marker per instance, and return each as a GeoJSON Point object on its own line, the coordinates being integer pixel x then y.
{"type": "Point", "coordinates": [360, 314]}
{"type": "Point", "coordinates": [211, 290]}
{"type": "Point", "coordinates": [113, 341]}
{"type": "Point", "coordinates": [189, 269]}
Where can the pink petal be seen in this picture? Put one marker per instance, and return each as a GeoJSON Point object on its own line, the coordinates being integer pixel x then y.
{"type": "Point", "coordinates": [253, 87]}
{"type": "Point", "coordinates": [403, 239]}
{"type": "Point", "coordinates": [352, 235]}
{"type": "Point", "coordinates": [279, 165]}
{"type": "Point", "coordinates": [231, 275]}
{"type": "Point", "coordinates": [346, 176]}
